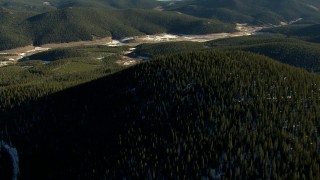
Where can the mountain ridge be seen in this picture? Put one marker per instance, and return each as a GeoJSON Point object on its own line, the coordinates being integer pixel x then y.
{"type": "Point", "coordinates": [77, 24]}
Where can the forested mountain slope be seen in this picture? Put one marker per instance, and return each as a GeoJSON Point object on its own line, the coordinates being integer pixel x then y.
{"type": "Point", "coordinates": [308, 32]}
{"type": "Point", "coordinates": [12, 29]}
{"type": "Point", "coordinates": [260, 12]}
{"type": "Point", "coordinates": [249, 11]}
{"type": "Point", "coordinates": [286, 50]}
{"type": "Point", "coordinates": [78, 24]}
{"type": "Point", "coordinates": [205, 114]}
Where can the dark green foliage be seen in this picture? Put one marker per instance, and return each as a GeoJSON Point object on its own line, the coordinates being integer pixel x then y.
{"type": "Point", "coordinates": [78, 53]}
{"type": "Point", "coordinates": [12, 39]}
{"type": "Point", "coordinates": [299, 55]}
{"type": "Point", "coordinates": [58, 54]}
{"type": "Point", "coordinates": [287, 50]}
{"type": "Point", "coordinates": [160, 49]}
{"type": "Point", "coordinates": [11, 34]}
{"type": "Point", "coordinates": [193, 115]}
{"type": "Point", "coordinates": [251, 41]}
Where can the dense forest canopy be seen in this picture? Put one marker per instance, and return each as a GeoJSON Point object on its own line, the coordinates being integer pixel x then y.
{"type": "Point", "coordinates": [258, 12]}
{"type": "Point", "coordinates": [200, 114]}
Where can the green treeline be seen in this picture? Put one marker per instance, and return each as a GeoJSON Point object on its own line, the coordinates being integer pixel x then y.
{"type": "Point", "coordinates": [160, 49]}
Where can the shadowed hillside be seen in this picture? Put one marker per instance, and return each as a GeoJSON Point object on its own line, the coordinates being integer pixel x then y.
{"type": "Point", "coordinates": [201, 114]}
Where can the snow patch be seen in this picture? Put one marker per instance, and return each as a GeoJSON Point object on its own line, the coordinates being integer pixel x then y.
{"type": "Point", "coordinates": [46, 62]}
{"type": "Point", "coordinates": [313, 7]}
{"type": "Point", "coordinates": [4, 63]}
{"type": "Point", "coordinates": [143, 57]}
{"type": "Point", "coordinates": [113, 43]}
{"type": "Point", "coordinates": [159, 37]}
{"type": "Point", "coordinates": [47, 3]}
{"type": "Point", "coordinates": [126, 39]}
{"type": "Point", "coordinates": [128, 63]}
{"type": "Point", "coordinates": [36, 49]}
{"type": "Point", "coordinates": [296, 20]}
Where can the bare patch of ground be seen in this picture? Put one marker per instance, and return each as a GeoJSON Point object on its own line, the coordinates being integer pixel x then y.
{"type": "Point", "coordinates": [19, 53]}
{"type": "Point", "coordinates": [242, 30]}
{"type": "Point", "coordinates": [127, 61]}
{"type": "Point", "coordinates": [5, 63]}
{"type": "Point", "coordinates": [18, 50]}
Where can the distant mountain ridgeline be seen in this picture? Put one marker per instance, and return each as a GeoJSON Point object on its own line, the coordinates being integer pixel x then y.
{"type": "Point", "coordinates": [45, 5]}
{"type": "Point", "coordinates": [249, 11]}
{"type": "Point", "coordinates": [78, 24]}
{"type": "Point", "coordinates": [196, 114]}
{"type": "Point", "coordinates": [252, 11]}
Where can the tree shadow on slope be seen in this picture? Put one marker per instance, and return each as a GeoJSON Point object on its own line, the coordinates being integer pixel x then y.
{"type": "Point", "coordinates": [62, 135]}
